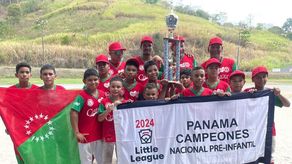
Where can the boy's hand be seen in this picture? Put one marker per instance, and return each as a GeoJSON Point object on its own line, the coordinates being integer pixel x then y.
{"type": "Point", "coordinates": [164, 82]}
{"type": "Point", "coordinates": [118, 102]}
{"type": "Point", "coordinates": [252, 90]}
{"type": "Point", "coordinates": [221, 93]}
{"type": "Point", "coordinates": [110, 107]}
{"type": "Point", "coordinates": [277, 91]}
{"type": "Point", "coordinates": [81, 136]}
{"type": "Point", "coordinates": [176, 96]}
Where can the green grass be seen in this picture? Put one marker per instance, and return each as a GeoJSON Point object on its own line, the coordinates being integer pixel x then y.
{"type": "Point", "coordinates": [91, 25]}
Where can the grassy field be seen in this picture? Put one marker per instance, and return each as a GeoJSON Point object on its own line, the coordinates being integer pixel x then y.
{"type": "Point", "coordinates": [77, 30]}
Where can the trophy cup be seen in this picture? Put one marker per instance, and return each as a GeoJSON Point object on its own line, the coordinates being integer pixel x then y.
{"type": "Point", "coordinates": [171, 64]}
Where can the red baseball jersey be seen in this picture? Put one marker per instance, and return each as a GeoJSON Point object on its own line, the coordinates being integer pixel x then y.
{"type": "Point", "coordinates": [30, 86]}
{"type": "Point", "coordinates": [87, 107]}
{"type": "Point", "coordinates": [117, 70]}
{"type": "Point", "coordinates": [190, 92]}
{"type": "Point", "coordinates": [141, 76]}
{"type": "Point", "coordinates": [56, 87]}
{"type": "Point", "coordinates": [219, 86]}
{"type": "Point", "coordinates": [132, 92]}
{"type": "Point", "coordinates": [108, 129]}
{"type": "Point", "coordinates": [188, 62]}
{"type": "Point", "coordinates": [104, 85]}
{"type": "Point", "coordinates": [228, 65]}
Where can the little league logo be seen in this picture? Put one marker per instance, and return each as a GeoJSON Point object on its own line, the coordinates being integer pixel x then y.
{"type": "Point", "coordinates": [134, 93]}
{"type": "Point", "coordinates": [106, 85]}
{"type": "Point", "coordinates": [185, 64]}
{"type": "Point", "coordinates": [145, 136]}
{"type": "Point", "coordinates": [141, 67]}
{"type": "Point", "coordinates": [90, 102]}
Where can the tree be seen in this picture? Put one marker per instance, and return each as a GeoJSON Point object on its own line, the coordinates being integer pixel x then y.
{"type": "Point", "coordinates": [41, 24]}
{"type": "Point", "coordinates": [287, 26]}
{"type": "Point", "coordinates": [276, 30]}
{"type": "Point", "coordinates": [14, 13]}
{"type": "Point", "coordinates": [202, 14]}
{"type": "Point", "coordinates": [219, 18]}
{"type": "Point", "coordinates": [151, 1]}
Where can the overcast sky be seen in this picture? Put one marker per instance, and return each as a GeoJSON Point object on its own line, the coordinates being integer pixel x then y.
{"type": "Point", "coordinates": [263, 11]}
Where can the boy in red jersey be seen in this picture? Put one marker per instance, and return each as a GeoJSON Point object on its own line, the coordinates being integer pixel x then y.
{"type": "Point", "coordinates": [236, 81]}
{"type": "Point", "coordinates": [84, 119]}
{"type": "Point", "coordinates": [106, 117]}
{"type": "Point", "coordinates": [116, 52]}
{"type": "Point", "coordinates": [132, 88]}
{"type": "Point", "coordinates": [218, 86]}
{"type": "Point", "coordinates": [23, 73]}
{"type": "Point", "coordinates": [197, 89]}
{"type": "Point", "coordinates": [260, 78]}
{"type": "Point", "coordinates": [150, 92]}
{"type": "Point", "coordinates": [227, 66]}
{"type": "Point", "coordinates": [48, 75]}
{"type": "Point", "coordinates": [185, 77]}
{"type": "Point", "coordinates": [146, 45]}
{"type": "Point", "coordinates": [102, 66]}
{"type": "Point", "coordinates": [186, 60]}
{"type": "Point", "coordinates": [151, 70]}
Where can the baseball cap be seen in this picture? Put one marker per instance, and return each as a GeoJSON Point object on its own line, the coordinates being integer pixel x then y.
{"type": "Point", "coordinates": [215, 40]}
{"type": "Point", "coordinates": [101, 58]}
{"type": "Point", "coordinates": [259, 69]}
{"type": "Point", "coordinates": [212, 61]}
{"type": "Point", "coordinates": [237, 73]}
{"type": "Point", "coordinates": [115, 46]}
{"type": "Point", "coordinates": [133, 61]}
{"type": "Point", "coordinates": [146, 39]}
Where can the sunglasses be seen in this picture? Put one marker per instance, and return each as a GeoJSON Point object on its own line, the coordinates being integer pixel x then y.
{"type": "Point", "coordinates": [118, 52]}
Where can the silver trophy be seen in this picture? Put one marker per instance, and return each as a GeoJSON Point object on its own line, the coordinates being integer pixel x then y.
{"type": "Point", "coordinates": [171, 63]}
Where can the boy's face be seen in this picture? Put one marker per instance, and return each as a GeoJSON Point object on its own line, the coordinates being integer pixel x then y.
{"type": "Point", "coordinates": [91, 82]}
{"type": "Point", "coordinates": [260, 80]}
{"type": "Point", "coordinates": [237, 83]}
{"type": "Point", "coordinates": [131, 72]}
{"type": "Point", "coordinates": [152, 73]}
{"type": "Point", "coordinates": [48, 76]}
{"type": "Point", "coordinates": [116, 88]}
{"type": "Point", "coordinates": [116, 56]}
{"type": "Point", "coordinates": [198, 77]}
{"type": "Point", "coordinates": [146, 48]}
{"type": "Point", "coordinates": [23, 74]}
{"type": "Point", "coordinates": [150, 94]}
{"type": "Point", "coordinates": [213, 70]}
{"type": "Point", "coordinates": [102, 68]}
{"type": "Point", "coordinates": [182, 49]}
{"type": "Point", "coordinates": [215, 51]}
{"type": "Point", "coordinates": [185, 80]}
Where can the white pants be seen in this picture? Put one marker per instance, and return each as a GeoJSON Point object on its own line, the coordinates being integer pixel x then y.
{"type": "Point", "coordinates": [273, 148]}
{"type": "Point", "coordinates": [107, 152]}
{"type": "Point", "coordinates": [87, 150]}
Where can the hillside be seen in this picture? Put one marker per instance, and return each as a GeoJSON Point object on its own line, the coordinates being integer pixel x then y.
{"type": "Point", "coordinates": [77, 30]}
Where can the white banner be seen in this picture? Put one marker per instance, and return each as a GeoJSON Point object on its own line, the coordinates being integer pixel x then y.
{"type": "Point", "coordinates": [231, 131]}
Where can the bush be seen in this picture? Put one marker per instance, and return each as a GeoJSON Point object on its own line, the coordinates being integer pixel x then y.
{"type": "Point", "coordinates": [65, 40]}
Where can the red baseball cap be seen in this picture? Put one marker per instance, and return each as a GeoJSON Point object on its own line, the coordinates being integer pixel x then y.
{"type": "Point", "coordinates": [259, 69]}
{"type": "Point", "coordinates": [215, 40]}
{"type": "Point", "coordinates": [212, 61]}
{"type": "Point", "coordinates": [146, 39]}
{"type": "Point", "coordinates": [237, 73]}
{"type": "Point", "coordinates": [101, 58]}
{"type": "Point", "coordinates": [115, 46]}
